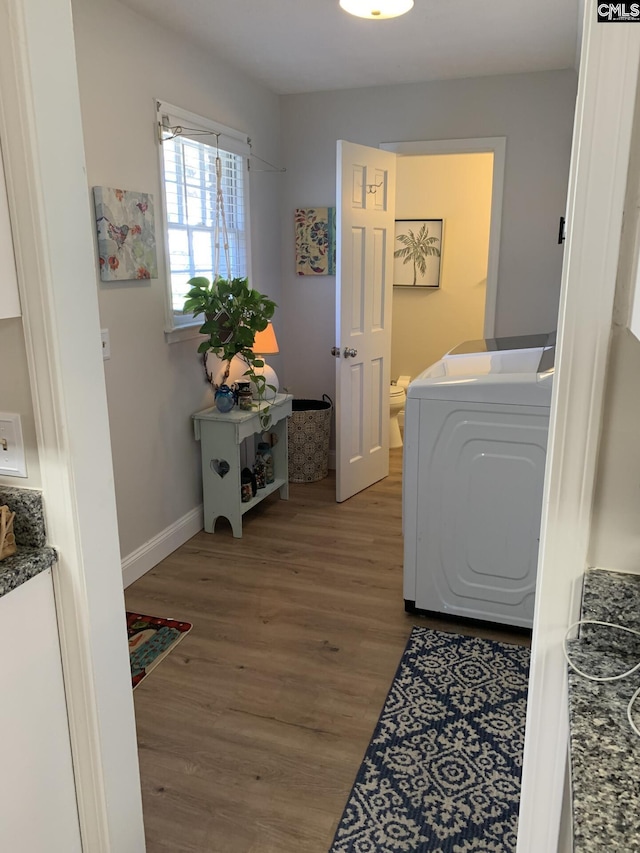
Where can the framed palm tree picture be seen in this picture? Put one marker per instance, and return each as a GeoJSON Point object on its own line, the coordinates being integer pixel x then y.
{"type": "Point", "coordinates": [417, 252]}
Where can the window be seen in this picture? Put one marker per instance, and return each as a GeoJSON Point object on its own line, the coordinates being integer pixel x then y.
{"type": "Point", "coordinates": [194, 233]}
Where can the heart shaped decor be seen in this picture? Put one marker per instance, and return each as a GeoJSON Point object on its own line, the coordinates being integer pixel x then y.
{"type": "Point", "coordinates": [220, 466]}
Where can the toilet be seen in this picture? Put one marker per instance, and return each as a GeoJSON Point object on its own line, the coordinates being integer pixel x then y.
{"type": "Point", "coordinates": [397, 399]}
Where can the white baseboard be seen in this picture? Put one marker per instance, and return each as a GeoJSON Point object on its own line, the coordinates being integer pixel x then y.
{"type": "Point", "coordinates": [150, 553]}
{"type": "Point", "coordinates": [332, 460]}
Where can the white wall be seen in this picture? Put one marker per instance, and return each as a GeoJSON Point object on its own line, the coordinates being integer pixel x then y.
{"type": "Point", "coordinates": [9, 299]}
{"type": "Point", "coordinates": [615, 531]}
{"type": "Point", "coordinates": [15, 390]}
{"type": "Point", "coordinates": [124, 62]}
{"type": "Point", "coordinates": [427, 323]}
{"type": "Point", "coordinates": [533, 111]}
{"type": "Point", "coordinates": [15, 396]}
{"type": "Point", "coordinates": [615, 534]}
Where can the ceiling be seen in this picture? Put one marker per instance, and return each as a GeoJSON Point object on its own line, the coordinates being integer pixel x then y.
{"type": "Point", "coordinates": [312, 45]}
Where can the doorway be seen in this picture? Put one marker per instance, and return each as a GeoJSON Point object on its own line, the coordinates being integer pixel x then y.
{"type": "Point", "coordinates": [428, 322]}
{"type": "Point", "coordinates": [496, 146]}
{"type": "Point", "coordinates": [350, 287]}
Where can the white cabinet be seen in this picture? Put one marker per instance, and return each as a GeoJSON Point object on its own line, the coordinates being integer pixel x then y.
{"type": "Point", "coordinates": [9, 299]}
{"type": "Point", "coordinates": [37, 792]}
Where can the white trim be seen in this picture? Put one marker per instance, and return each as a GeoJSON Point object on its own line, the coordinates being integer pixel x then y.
{"type": "Point", "coordinates": [497, 145]}
{"type": "Point", "coordinates": [48, 199]}
{"type": "Point", "coordinates": [184, 333]}
{"type": "Point", "coordinates": [600, 155]}
{"type": "Point", "coordinates": [150, 553]}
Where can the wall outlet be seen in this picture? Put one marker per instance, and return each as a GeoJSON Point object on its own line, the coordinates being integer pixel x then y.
{"type": "Point", "coordinates": [12, 458]}
{"type": "Point", "coordinates": [106, 343]}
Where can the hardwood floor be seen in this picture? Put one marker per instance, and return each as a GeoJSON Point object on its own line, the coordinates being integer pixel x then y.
{"type": "Point", "coordinates": [251, 732]}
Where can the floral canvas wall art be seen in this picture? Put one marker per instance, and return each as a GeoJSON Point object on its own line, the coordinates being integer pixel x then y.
{"type": "Point", "coordinates": [315, 240]}
{"type": "Point", "coordinates": [126, 234]}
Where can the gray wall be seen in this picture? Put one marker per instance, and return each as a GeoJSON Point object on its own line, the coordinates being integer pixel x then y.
{"type": "Point", "coordinates": [15, 396]}
{"type": "Point", "coordinates": [615, 531]}
{"type": "Point", "coordinates": [125, 62]}
{"type": "Point", "coordinates": [533, 111]}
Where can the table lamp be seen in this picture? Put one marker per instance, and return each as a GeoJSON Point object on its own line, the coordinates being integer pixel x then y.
{"type": "Point", "coordinates": [265, 343]}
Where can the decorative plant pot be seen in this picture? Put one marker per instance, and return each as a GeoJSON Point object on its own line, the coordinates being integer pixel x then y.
{"type": "Point", "coordinates": [224, 399]}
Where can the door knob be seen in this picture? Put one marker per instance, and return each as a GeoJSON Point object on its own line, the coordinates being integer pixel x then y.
{"type": "Point", "coordinates": [349, 352]}
{"type": "Point", "coordinates": [335, 351]}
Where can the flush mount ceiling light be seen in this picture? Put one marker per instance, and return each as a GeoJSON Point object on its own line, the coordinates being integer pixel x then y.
{"type": "Point", "coordinates": [376, 9]}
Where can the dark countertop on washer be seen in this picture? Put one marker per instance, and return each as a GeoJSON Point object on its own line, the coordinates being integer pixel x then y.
{"type": "Point", "coordinates": [605, 751]}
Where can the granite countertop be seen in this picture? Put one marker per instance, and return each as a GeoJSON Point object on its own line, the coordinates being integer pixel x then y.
{"type": "Point", "coordinates": [26, 563]}
{"type": "Point", "coordinates": [32, 555]}
{"type": "Point", "coordinates": [605, 751]}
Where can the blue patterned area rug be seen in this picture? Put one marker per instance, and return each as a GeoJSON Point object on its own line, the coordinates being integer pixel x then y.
{"type": "Point", "coordinates": [442, 771]}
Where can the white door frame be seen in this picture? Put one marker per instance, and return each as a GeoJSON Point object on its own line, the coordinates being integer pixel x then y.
{"type": "Point", "coordinates": [497, 145]}
{"type": "Point", "coordinates": [597, 182]}
{"type": "Point", "coordinates": [41, 128]}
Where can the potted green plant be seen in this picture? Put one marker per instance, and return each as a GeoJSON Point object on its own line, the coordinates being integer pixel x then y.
{"type": "Point", "coordinates": [233, 313]}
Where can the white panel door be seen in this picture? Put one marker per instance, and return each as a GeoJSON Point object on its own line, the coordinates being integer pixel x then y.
{"type": "Point", "coordinates": [365, 220]}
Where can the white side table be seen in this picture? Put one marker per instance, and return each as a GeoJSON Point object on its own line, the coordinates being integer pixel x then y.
{"type": "Point", "coordinates": [220, 435]}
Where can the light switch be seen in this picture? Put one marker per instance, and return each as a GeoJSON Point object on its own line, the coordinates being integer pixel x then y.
{"type": "Point", "coordinates": [12, 458]}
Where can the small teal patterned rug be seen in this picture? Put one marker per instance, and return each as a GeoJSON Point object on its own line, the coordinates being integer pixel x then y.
{"type": "Point", "coordinates": [151, 638]}
{"type": "Point", "coordinates": [442, 771]}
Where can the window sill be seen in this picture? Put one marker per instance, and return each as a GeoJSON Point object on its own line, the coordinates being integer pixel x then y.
{"type": "Point", "coordinates": [183, 333]}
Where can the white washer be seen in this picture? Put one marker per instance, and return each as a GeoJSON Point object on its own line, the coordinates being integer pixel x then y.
{"type": "Point", "coordinates": [476, 429]}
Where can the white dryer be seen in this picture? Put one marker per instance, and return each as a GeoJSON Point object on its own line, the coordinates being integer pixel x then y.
{"type": "Point", "coordinates": [476, 426]}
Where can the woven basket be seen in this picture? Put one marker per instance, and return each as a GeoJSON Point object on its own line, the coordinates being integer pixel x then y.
{"type": "Point", "coordinates": [308, 431]}
{"type": "Point", "coordinates": [7, 537]}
